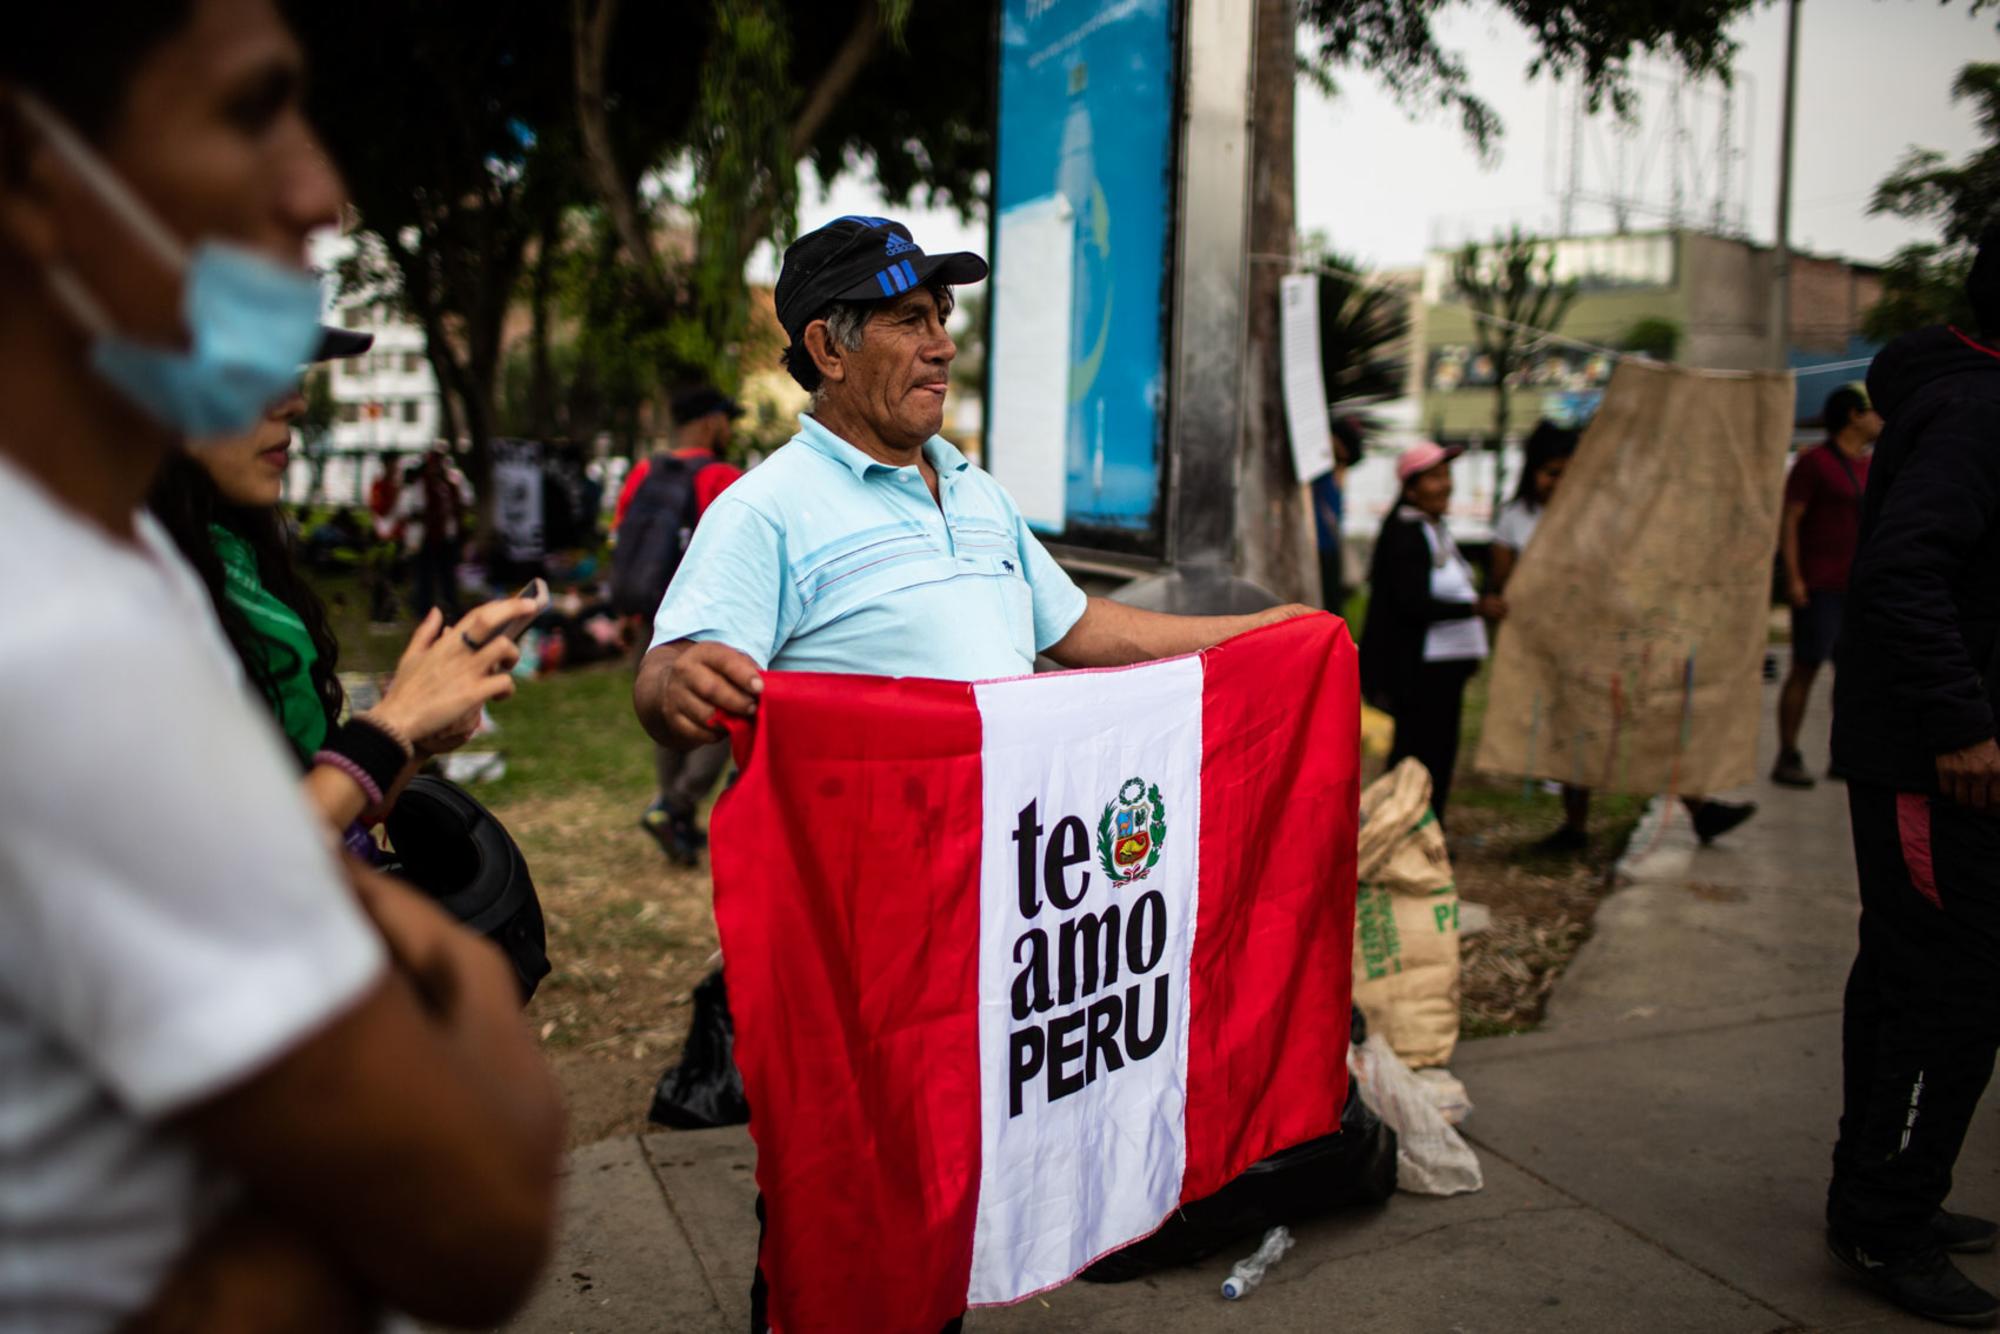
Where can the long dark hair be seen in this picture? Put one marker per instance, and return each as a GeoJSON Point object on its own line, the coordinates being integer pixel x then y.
{"type": "Point", "coordinates": [1546, 443]}
{"type": "Point", "coordinates": [186, 501]}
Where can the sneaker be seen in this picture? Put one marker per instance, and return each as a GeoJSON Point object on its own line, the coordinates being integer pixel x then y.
{"type": "Point", "coordinates": [1963, 1233]}
{"type": "Point", "coordinates": [1791, 771]}
{"type": "Point", "coordinates": [1716, 818]}
{"type": "Point", "coordinates": [1566, 841]}
{"type": "Point", "coordinates": [1926, 1284]}
{"type": "Point", "coordinates": [676, 834]}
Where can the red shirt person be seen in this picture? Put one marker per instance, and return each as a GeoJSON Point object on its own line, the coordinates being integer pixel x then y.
{"type": "Point", "coordinates": [1822, 526]}
{"type": "Point", "coordinates": [702, 420]}
{"type": "Point", "coordinates": [686, 778]}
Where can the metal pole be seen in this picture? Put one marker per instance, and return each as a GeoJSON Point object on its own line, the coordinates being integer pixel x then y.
{"type": "Point", "coordinates": [1210, 272]}
{"type": "Point", "coordinates": [1781, 266]}
{"type": "Point", "coordinates": [1211, 319]}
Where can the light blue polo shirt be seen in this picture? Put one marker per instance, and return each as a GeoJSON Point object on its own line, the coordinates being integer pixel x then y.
{"type": "Point", "coordinates": [824, 560]}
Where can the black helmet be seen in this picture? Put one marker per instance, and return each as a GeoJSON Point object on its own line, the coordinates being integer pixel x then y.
{"type": "Point", "coordinates": [452, 848]}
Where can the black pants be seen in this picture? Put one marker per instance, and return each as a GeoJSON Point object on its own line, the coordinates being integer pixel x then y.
{"type": "Point", "coordinates": [760, 1319]}
{"type": "Point", "coordinates": [1332, 581]}
{"type": "Point", "coordinates": [1923, 1012]}
{"type": "Point", "coordinates": [1427, 712]}
{"type": "Point", "coordinates": [436, 572]}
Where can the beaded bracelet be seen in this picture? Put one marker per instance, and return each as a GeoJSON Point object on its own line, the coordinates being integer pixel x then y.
{"type": "Point", "coordinates": [377, 750]}
{"type": "Point", "coordinates": [333, 759]}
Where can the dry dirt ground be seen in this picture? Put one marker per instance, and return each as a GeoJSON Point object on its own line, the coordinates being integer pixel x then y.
{"type": "Point", "coordinates": [630, 935]}
{"type": "Point", "coordinates": [1542, 906]}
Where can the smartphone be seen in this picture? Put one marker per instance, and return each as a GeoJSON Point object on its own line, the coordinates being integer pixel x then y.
{"type": "Point", "coordinates": [538, 591]}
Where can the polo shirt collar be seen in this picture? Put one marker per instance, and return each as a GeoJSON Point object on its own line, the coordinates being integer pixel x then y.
{"type": "Point", "coordinates": [944, 456]}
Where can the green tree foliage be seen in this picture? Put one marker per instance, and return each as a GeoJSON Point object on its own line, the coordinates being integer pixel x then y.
{"type": "Point", "coordinates": [1923, 284]}
{"type": "Point", "coordinates": [842, 84]}
{"type": "Point", "coordinates": [1594, 39]}
{"type": "Point", "coordinates": [1515, 298]}
{"type": "Point", "coordinates": [1655, 337]}
{"type": "Point", "coordinates": [1364, 332]}
{"type": "Point", "coordinates": [451, 124]}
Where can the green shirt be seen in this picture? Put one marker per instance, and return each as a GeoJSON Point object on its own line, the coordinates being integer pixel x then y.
{"type": "Point", "coordinates": [288, 652]}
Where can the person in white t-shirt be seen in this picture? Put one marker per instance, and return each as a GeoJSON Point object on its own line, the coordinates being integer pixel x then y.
{"type": "Point", "coordinates": [1544, 457]}
{"type": "Point", "coordinates": [241, 1085]}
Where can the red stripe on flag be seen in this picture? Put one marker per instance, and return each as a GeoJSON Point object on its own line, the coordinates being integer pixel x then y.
{"type": "Point", "coordinates": [1274, 935]}
{"type": "Point", "coordinates": [843, 992]}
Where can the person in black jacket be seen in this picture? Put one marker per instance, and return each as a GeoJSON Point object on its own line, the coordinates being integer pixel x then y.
{"type": "Point", "coordinates": [1424, 638]}
{"type": "Point", "coordinates": [1914, 709]}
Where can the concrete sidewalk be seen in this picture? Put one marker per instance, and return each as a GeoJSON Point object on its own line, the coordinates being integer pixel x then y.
{"type": "Point", "coordinates": [1655, 1156]}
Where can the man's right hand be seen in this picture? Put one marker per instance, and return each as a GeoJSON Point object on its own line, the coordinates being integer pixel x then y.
{"type": "Point", "coordinates": [1800, 595]}
{"type": "Point", "coordinates": [702, 679]}
{"type": "Point", "coordinates": [1971, 777]}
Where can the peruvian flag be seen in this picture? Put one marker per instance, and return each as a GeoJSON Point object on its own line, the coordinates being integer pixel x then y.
{"type": "Point", "coordinates": [1018, 967]}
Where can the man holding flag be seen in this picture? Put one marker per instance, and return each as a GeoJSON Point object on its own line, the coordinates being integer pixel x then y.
{"type": "Point", "coordinates": [869, 546]}
{"type": "Point", "coordinates": [868, 543]}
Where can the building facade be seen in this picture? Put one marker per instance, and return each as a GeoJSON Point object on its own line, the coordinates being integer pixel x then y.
{"type": "Point", "coordinates": [1712, 293]}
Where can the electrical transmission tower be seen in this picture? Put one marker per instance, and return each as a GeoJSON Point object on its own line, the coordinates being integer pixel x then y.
{"type": "Point", "coordinates": [1680, 156]}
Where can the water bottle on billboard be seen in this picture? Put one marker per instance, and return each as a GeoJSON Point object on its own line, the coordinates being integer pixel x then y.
{"type": "Point", "coordinates": [1076, 178]}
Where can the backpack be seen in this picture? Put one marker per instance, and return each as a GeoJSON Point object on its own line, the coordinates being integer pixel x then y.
{"type": "Point", "coordinates": [654, 536]}
{"type": "Point", "coordinates": [452, 848]}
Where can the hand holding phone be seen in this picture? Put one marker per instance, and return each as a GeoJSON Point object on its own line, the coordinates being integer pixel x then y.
{"type": "Point", "coordinates": [536, 591]}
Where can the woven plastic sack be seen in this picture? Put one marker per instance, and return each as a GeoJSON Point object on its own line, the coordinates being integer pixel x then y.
{"type": "Point", "coordinates": [1406, 920]}
{"type": "Point", "coordinates": [1432, 1158]}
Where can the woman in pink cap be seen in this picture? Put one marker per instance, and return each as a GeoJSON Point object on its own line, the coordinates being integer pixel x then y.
{"type": "Point", "coordinates": [1425, 636]}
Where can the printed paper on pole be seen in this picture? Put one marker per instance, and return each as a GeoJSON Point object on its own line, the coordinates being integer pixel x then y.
{"type": "Point", "coordinates": [1631, 657]}
{"type": "Point", "coordinates": [517, 498]}
{"type": "Point", "coordinates": [1305, 380]}
{"type": "Point", "coordinates": [1019, 968]}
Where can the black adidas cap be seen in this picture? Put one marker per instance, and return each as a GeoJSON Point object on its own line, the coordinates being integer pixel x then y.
{"type": "Point", "coordinates": [860, 259]}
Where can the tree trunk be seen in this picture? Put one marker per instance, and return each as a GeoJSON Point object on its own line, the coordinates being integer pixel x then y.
{"type": "Point", "coordinates": [1274, 538]}
{"type": "Point", "coordinates": [856, 50]}
{"type": "Point", "coordinates": [541, 374]}
{"type": "Point", "coordinates": [591, 22]}
{"type": "Point", "coordinates": [841, 72]}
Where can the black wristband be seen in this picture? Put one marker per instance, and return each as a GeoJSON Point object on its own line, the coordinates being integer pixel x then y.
{"type": "Point", "coordinates": [380, 755]}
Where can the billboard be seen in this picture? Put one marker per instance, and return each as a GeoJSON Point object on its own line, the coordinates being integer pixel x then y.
{"type": "Point", "coordinates": [1083, 214]}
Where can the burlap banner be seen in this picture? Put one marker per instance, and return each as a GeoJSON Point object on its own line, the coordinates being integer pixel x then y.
{"type": "Point", "coordinates": [1630, 658]}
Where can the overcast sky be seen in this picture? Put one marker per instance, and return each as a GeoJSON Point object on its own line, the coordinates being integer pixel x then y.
{"type": "Point", "coordinates": [1874, 77]}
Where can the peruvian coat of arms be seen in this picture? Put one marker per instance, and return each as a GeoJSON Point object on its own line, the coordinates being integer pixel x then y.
{"type": "Point", "coordinates": [1132, 832]}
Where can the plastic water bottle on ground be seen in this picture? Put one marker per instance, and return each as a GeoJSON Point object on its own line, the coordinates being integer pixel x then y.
{"type": "Point", "coordinates": [1249, 1273]}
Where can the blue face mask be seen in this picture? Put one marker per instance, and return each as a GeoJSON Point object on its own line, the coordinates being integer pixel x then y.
{"type": "Point", "coordinates": [251, 322]}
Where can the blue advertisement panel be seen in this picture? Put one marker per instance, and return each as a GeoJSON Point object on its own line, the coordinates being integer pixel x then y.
{"type": "Point", "coordinates": [1086, 141]}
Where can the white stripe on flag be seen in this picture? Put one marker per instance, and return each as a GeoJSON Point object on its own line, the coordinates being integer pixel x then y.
{"type": "Point", "coordinates": [1088, 883]}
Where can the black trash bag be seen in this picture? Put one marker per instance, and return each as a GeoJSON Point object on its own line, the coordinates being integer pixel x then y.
{"type": "Point", "coordinates": [1355, 1166]}
{"type": "Point", "coordinates": [704, 1090]}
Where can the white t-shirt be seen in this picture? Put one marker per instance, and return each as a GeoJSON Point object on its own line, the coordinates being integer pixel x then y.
{"type": "Point", "coordinates": [1516, 525]}
{"type": "Point", "coordinates": [1459, 640]}
{"type": "Point", "coordinates": [171, 918]}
